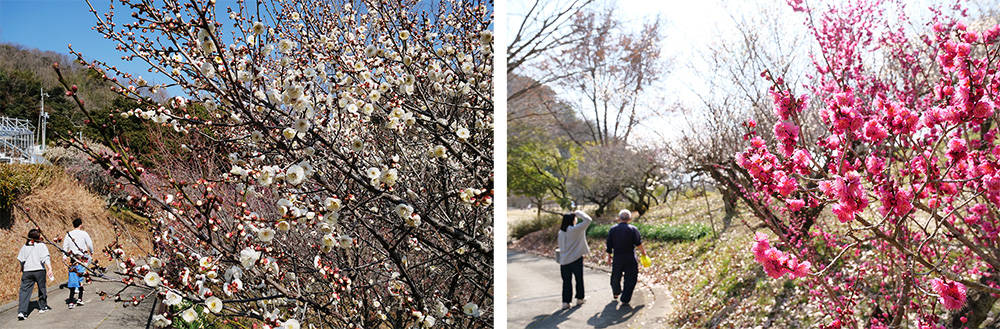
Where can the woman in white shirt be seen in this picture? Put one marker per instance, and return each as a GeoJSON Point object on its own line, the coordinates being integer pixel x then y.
{"type": "Point", "coordinates": [572, 247]}
{"type": "Point", "coordinates": [35, 266]}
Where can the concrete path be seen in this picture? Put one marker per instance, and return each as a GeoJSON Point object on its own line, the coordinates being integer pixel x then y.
{"type": "Point", "coordinates": [534, 297]}
{"type": "Point", "coordinates": [95, 313]}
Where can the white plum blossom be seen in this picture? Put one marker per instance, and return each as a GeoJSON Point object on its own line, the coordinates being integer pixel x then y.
{"type": "Point", "coordinates": [295, 175]}
{"type": "Point", "coordinates": [208, 70]}
{"type": "Point", "coordinates": [285, 46]}
{"type": "Point", "coordinates": [404, 210]}
{"type": "Point", "coordinates": [161, 321]}
{"type": "Point", "coordinates": [152, 279]}
{"type": "Point", "coordinates": [467, 195]}
{"type": "Point", "coordinates": [356, 145]}
{"type": "Point", "coordinates": [342, 113]}
{"type": "Point", "coordinates": [332, 204]}
{"type": "Point", "coordinates": [329, 240]}
{"type": "Point", "coordinates": [284, 226]}
{"type": "Point", "coordinates": [413, 220]}
{"type": "Point", "coordinates": [265, 235]}
{"type": "Point", "coordinates": [205, 262]}
{"type": "Point", "coordinates": [471, 309]}
{"type": "Point", "coordinates": [289, 133]}
{"type": "Point", "coordinates": [172, 298]}
{"type": "Point", "coordinates": [189, 315]}
{"type": "Point", "coordinates": [302, 125]}
{"type": "Point", "coordinates": [267, 175]}
{"type": "Point", "coordinates": [389, 177]}
{"type": "Point", "coordinates": [290, 324]}
{"type": "Point", "coordinates": [373, 173]}
{"type": "Point", "coordinates": [346, 241]}
{"type": "Point", "coordinates": [155, 263]}
{"type": "Point", "coordinates": [439, 151]}
{"type": "Point", "coordinates": [238, 171]}
{"type": "Point", "coordinates": [463, 134]}
{"type": "Point", "coordinates": [233, 273]}
{"type": "Point", "coordinates": [249, 257]}
{"type": "Point", "coordinates": [214, 304]}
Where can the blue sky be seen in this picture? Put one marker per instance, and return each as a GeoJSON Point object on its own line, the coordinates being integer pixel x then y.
{"type": "Point", "coordinates": [54, 24]}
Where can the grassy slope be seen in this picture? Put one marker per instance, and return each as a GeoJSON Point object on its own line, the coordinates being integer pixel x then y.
{"type": "Point", "coordinates": [715, 281]}
{"type": "Point", "coordinates": [54, 206]}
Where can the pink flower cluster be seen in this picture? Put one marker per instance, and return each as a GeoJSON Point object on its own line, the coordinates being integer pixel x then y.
{"type": "Point", "coordinates": [951, 293]}
{"type": "Point", "coordinates": [785, 105]}
{"type": "Point", "coordinates": [851, 198]}
{"type": "Point", "coordinates": [762, 166]}
{"type": "Point", "coordinates": [894, 201]}
{"type": "Point", "coordinates": [842, 113]}
{"type": "Point", "coordinates": [777, 263]}
{"type": "Point", "coordinates": [899, 119]}
{"type": "Point", "coordinates": [788, 134]}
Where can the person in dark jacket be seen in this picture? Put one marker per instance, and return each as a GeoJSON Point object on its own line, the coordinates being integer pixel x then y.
{"type": "Point", "coordinates": [573, 246]}
{"type": "Point", "coordinates": [622, 241]}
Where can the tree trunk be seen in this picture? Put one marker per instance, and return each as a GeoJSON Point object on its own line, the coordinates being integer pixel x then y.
{"type": "Point", "coordinates": [976, 308]}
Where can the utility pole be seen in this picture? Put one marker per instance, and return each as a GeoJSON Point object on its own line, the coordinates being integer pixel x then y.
{"type": "Point", "coordinates": [42, 120]}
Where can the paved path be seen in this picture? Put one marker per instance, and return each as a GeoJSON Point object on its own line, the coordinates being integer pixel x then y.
{"type": "Point", "coordinates": [95, 314]}
{"type": "Point", "coordinates": [534, 297]}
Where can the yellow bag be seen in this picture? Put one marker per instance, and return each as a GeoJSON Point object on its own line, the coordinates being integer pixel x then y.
{"type": "Point", "coordinates": [646, 262]}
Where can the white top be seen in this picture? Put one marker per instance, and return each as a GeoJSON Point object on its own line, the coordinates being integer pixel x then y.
{"type": "Point", "coordinates": [34, 256]}
{"type": "Point", "coordinates": [573, 241]}
{"type": "Point", "coordinates": [78, 242]}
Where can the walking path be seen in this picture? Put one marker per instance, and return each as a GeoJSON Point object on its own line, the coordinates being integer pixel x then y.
{"type": "Point", "coordinates": [534, 297]}
{"type": "Point", "coordinates": [96, 313]}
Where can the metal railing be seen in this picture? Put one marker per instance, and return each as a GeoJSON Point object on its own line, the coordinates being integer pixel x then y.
{"type": "Point", "coordinates": [17, 140]}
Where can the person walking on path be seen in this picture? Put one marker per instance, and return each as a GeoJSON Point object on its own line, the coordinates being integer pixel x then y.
{"type": "Point", "coordinates": [622, 241]}
{"type": "Point", "coordinates": [573, 246]}
{"type": "Point", "coordinates": [78, 247]}
{"type": "Point", "coordinates": [35, 266]}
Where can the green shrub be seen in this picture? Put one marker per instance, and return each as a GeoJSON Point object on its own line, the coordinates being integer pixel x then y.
{"type": "Point", "coordinates": [17, 180]}
{"type": "Point", "coordinates": [662, 232]}
{"type": "Point", "coordinates": [525, 227]}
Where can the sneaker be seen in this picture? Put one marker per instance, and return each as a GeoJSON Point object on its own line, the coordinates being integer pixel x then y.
{"type": "Point", "coordinates": [72, 305]}
{"type": "Point", "coordinates": [580, 301]}
{"type": "Point", "coordinates": [79, 302]}
{"type": "Point", "coordinates": [21, 316]}
{"type": "Point", "coordinates": [615, 298]}
{"type": "Point", "coordinates": [565, 305]}
{"type": "Point", "coordinates": [43, 310]}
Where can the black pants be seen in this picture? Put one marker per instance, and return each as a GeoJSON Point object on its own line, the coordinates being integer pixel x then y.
{"type": "Point", "coordinates": [28, 280]}
{"type": "Point", "coordinates": [568, 271]}
{"type": "Point", "coordinates": [73, 291]}
{"type": "Point", "coordinates": [631, 272]}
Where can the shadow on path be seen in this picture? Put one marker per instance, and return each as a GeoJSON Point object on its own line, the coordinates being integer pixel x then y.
{"type": "Point", "coordinates": [554, 319]}
{"type": "Point", "coordinates": [613, 313]}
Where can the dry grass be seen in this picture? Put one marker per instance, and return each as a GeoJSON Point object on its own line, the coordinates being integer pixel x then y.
{"type": "Point", "coordinates": [53, 206]}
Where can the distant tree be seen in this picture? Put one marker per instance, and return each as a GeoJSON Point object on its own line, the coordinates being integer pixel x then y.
{"type": "Point", "coordinates": [607, 70]}
{"type": "Point", "coordinates": [543, 28]}
{"type": "Point", "coordinates": [541, 167]}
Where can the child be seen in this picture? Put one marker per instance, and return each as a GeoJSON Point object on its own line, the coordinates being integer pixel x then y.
{"type": "Point", "coordinates": [35, 266]}
{"type": "Point", "coordinates": [78, 247]}
{"type": "Point", "coordinates": [76, 272]}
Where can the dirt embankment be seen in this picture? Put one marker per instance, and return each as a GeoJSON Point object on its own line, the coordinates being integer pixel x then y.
{"type": "Point", "coordinates": [54, 201]}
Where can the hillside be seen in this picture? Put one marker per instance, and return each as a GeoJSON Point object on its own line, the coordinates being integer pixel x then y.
{"type": "Point", "coordinates": [25, 73]}
{"type": "Point", "coordinates": [53, 199]}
